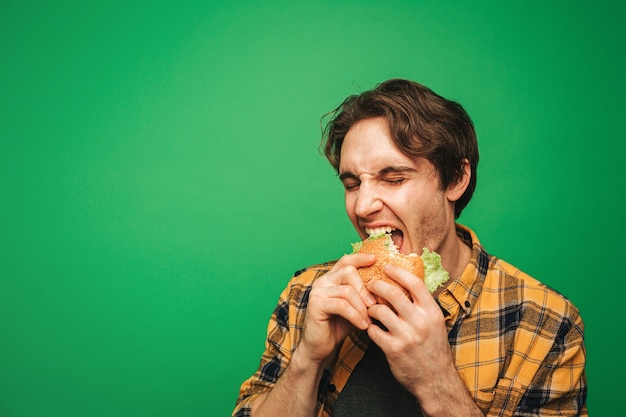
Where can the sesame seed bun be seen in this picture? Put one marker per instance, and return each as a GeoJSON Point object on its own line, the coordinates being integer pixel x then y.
{"type": "Point", "coordinates": [386, 253]}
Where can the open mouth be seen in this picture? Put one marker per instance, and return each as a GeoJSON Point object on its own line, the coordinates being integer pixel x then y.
{"type": "Point", "coordinates": [396, 235]}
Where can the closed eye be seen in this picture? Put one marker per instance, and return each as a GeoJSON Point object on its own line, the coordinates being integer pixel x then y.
{"type": "Point", "coordinates": [394, 180]}
{"type": "Point", "coordinates": [392, 176]}
{"type": "Point", "coordinates": [396, 175]}
{"type": "Point", "coordinates": [350, 182]}
{"type": "Point", "coordinates": [351, 185]}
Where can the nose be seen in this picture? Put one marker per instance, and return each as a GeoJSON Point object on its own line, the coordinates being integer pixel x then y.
{"type": "Point", "coordinates": [368, 200]}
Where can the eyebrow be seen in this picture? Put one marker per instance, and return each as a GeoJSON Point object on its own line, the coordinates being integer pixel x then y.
{"type": "Point", "coordinates": [396, 170]}
{"type": "Point", "coordinates": [387, 170]}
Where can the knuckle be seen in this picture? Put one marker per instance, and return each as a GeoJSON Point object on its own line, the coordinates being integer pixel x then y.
{"type": "Point", "coordinates": [395, 292]}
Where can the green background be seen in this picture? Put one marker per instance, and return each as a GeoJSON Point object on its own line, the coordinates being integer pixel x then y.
{"type": "Point", "coordinates": [160, 178]}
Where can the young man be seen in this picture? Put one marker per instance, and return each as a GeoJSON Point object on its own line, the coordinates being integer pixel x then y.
{"type": "Point", "coordinates": [492, 341]}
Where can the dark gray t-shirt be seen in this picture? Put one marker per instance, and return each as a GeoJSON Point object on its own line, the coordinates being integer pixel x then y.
{"type": "Point", "coordinates": [372, 390]}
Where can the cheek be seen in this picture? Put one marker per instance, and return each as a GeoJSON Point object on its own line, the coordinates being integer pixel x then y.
{"type": "Point", "coordinates": [350, 207]}
{"type": "Point", "coordinates": [351, 212]}
{"type": "Point", "coordinates": [422, 211]}
{"type": "Point", "coordinates": [432, 220]}
{"type": "Point", "coordinates": [406, 206]}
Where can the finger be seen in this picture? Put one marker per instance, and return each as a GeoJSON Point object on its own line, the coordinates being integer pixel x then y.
{"type": "Point", "coordinates": [357, 260]}
{"type": "Point", "coordinates": [414, 285]}
{"type": "Point", "coordinates": [342, 301]}
{"type": "Point", "coordinates": [379, 334]}
{"type": "Point", "coordinates": [382, 315]}
{"type": "Point", "coordinates": [345, 271]}
{"type": "Point", "coordinates": [392, 294]}
{"type": "Point", "coordinates": [344, 267]}
{"type": "Point", "coordinates": [354, 280]}
{"type": "Point", "coordinates": [385, 325]}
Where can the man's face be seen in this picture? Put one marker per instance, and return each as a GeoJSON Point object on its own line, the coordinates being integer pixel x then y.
{"type": "Point", "coordinates": [385, 188]}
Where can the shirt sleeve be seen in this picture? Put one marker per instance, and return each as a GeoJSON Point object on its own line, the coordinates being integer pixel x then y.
{"type": "Point", "coordinates": [283, 334]}
{"type": "Point", "coordinates": [546, 375]}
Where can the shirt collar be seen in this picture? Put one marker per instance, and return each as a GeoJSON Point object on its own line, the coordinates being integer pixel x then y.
{"type": "Point", "coordinates": [459, 297]}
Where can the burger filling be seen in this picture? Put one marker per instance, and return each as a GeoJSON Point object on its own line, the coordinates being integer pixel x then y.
{"type": "Point", "coordinates": [396, 236]}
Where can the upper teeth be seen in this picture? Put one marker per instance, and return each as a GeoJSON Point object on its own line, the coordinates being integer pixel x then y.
{"type": "Point", "coordinates": [379, 230]}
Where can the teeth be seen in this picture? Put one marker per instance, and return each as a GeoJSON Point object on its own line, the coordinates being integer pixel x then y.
{"type": "Point", "coordinates": [379, 231]}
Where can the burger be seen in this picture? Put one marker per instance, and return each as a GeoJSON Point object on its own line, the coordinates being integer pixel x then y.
{"type": "Point", "coordinates": [426, 266]}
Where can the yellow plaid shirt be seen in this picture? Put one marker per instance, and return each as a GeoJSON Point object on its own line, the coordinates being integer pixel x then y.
{"type": "Point", "coordinates": [517, 344]}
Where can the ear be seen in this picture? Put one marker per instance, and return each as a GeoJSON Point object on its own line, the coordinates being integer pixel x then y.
{"type": "Point", "coordinates": [456, 190]}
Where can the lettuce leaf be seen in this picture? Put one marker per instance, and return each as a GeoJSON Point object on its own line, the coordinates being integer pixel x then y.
{"type": "Point", "coordinates": [434, 274]}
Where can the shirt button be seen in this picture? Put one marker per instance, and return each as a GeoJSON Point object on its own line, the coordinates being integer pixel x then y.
{"type": "Point", "coordinates": [467, 304]}
{"type": "Point", "coordinates": [332, 388]}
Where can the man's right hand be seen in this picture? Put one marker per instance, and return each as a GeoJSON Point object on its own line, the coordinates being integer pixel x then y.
{"type": "Point", "coordinates": [337, 304]}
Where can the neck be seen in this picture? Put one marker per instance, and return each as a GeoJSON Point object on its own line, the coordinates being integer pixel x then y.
{"type": "Point", "coordinates": [454, 259]}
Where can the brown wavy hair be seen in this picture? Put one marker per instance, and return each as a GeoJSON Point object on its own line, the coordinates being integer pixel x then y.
{"type": "Point", "coordinates": [421, 123]}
